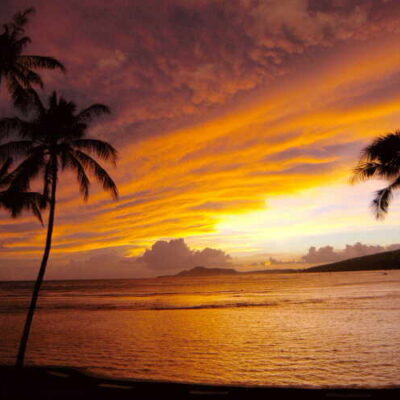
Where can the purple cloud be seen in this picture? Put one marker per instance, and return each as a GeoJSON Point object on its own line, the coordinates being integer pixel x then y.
{"type": "Point", "coordinates": [328, 254]}
{"type": "Point", "coordinates": [175, 255]}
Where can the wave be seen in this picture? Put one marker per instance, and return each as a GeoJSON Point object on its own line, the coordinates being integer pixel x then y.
{"type": "Point", "coordinates": [17, 308]}
{"type": "Point", "coordinates": [94, 294]}
{"type": "Point", "coordinates": [152, 306]}
{"type": "Point", "coordinates": [56, 303]}
{"type": "Point", "coordinates": [213, 306]}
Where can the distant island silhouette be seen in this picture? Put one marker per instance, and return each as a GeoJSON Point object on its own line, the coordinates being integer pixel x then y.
{"type": "Point", "coordinates": [203, 271]}
{"type": "Point", "coordinates": [379, 261]}
{"type": "Point", "coordinates": [385, 260]}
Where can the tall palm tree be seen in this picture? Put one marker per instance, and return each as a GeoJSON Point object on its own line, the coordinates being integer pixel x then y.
{"type": "Point", "coordinates": [15, 202]}
{"type": "Point", "coordinates": [17, 69]}
{"type": "Point", "coordinates": [381, 159]}
{"type": "Point", "coordinates": [52, 140]}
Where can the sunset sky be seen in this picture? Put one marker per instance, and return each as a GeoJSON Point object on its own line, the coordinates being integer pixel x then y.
{"type": "Point", "coordinates": [238, 123]}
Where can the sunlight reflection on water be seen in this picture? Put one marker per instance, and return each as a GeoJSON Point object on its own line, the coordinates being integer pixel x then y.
{"type": "Point", "coordinates": [324, 329]}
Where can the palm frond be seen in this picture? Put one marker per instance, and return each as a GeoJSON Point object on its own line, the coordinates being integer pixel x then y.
{"type": "Point", "coordinates": [53, 138]}
{"type": "Point", "coordinates": [22, 176]}
{"type": "Point", "coordinates": [21, 43]}
{"type": "Point", "coordinates": [4, 171]}
{"type": "Point", "coordinates": [20, 19]}
{"type": "Point", "coordinates": [9, 126]}
{"type": "Point", "coordinates": [381, 159]}
{"type": "Point", "coordinates": [99, 172]}
{"type": "Point", "coordinates": [31, 61]}
{"type": "Point", "coordinates": [16, 202]}
{"type": "Point", "coordinates": [374, 169]}
{"type": "Point", "coordinates": [383, 197]}
{"type": "Point", "coordinates": [28, 77]}
{"type": "Point", "coordinates": [84, 183]}
{"type": "Point", "coordinates": [15, 149]}
{"type": "Point", "coordinates": [93, 111]}
{"type": "Point", "coordinates": [18, 92]}
{"type": "Point", "coordinates": [385, 149]}
{"type": "Point", "coordinates": [380, 204]}
{"type": "Point", "coordinates": [364, 170]}
{"type": "Point", "coordinates": [33, 104]}
{"type": "Point", "coordinates": [35, 202]}
{"type": "Point", "coordinates": [396, 183]}
{"type": "Point", "coordinates": [101, 149]}
{"type": "Point", "coordinates": [21, 77]}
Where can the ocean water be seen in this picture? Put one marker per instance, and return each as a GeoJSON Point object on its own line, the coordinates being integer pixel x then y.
{"type": "Point", "coordinates": [300, 329]}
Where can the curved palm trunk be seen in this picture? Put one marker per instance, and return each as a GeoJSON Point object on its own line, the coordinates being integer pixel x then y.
{"type": "Point", "coordinates": [39, 279]}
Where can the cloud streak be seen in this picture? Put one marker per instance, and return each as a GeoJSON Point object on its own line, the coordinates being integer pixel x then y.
{"type": "Point", "coordinates": [220, 107]}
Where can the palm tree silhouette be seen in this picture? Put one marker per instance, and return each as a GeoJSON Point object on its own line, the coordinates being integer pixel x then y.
{"type": "Point", "coordinates": [15, 202]}
{"type": "Point", "coordinates": [381, 159]}
{"type": "Point", "coordinates": [17, 69]}
{"type": "Point", "coordinates": [54, 139]}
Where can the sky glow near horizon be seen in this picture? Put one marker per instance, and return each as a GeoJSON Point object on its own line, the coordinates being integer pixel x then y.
{"type": "Point", "coordinates": [238, 123]}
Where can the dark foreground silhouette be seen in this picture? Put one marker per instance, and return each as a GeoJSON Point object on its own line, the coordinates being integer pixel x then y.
{"type": "Point", "coordinates": [379, 261]}
{"type": "Point", "coordinates": [202, 271]}
{"type": "Point", "coordinates": [67, 383]}
{"type": "Point", "coordinates": [55, 138]}
{"type": "Point", "coordinates": [380, 160]}
{"type": "Point", "coordinates": [374, 262]}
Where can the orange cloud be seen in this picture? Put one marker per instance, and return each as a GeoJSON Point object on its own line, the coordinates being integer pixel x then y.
{"type": "Point", "coordinates": [217, 112]}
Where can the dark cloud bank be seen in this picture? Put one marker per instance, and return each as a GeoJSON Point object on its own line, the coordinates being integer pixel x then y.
{"type": "Point", "coordinates": [161, 59]}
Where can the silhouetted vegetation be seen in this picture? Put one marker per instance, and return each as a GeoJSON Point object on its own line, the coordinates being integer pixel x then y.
{"type": "Point", "coordinates": [50, 138]}
{"type": "Point", "coordinates": [15, 201]}
{"type": "Point", "coordinates": [17, 70]}
{"type": "Point", "coordinates": [381, 159]}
